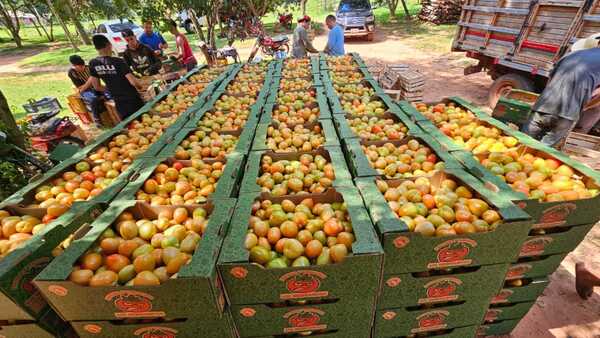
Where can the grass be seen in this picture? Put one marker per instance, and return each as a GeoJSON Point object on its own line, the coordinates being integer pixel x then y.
{"type": "Point", "coordinates": [19, 89]}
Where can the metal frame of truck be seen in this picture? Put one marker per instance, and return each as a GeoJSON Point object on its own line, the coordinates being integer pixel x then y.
{"type": "Point", "coordinates": [518, 41]}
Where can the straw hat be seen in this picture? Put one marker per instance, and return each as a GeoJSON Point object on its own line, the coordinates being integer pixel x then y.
{"type": "Point", "coordinates": [586, 43]}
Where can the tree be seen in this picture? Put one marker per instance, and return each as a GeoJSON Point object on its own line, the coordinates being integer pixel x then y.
{"type": "Point", "coordinates": [69, 11]}
{"type": "Point", "coordinates": [393, 5]}
{"type": "Point", "coordinates": [10, 19]}
{"type": "Point", "coordinates": [32, 7]}
{"type": "Point", "coordinates": [62, 23]}
{"type": "Point", "coordinates": [259, 8]}
{"type": "Point", "coordinates": [7, 120]}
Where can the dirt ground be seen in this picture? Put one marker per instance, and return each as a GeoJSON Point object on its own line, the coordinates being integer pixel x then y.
{"type": "Point", "coordinates": [558, 312]}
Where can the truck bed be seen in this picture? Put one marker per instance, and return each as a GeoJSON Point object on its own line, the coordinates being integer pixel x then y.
{"type": "Point", "coordinates": [526, 35]}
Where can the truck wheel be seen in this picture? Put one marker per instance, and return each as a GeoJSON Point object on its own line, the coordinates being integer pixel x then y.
{"type": "Point", "coordinates": [503, 85]}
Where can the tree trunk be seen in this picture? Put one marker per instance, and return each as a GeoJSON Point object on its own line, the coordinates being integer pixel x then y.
{"type": "Point", "coordinates": [91, 17]}
{"type": "Point", "coordinates": [37, 29]}
{"type": "Point", "coordinates": [392, 4]}
{"type": "Point", "coordinates": [8, 120]}
{"type": "Point", "coordinates": [36, 14]}
{"type": "Point", "coordinates": [78, 26]}
{"type": "Point", "coordinates": [62, 23]}
{"type": "Point", "coordinates": [51, 28]}
{"type": "Point", "coordinates": [303, 6]}
{"type": "Point", "coordinates": [405, 9]}
{"type": "Point", "coordinates": [12, 26]}
{"type": "Point", "coordinates": [192, 15]}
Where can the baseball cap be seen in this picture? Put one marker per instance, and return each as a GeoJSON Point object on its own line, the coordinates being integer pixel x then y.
{"type": "Point", "coordinates": [586, 43]}
{"type": "Point", "coordinates": [127, 33]}
{"type": "Point", "coordinates": [304, 18]}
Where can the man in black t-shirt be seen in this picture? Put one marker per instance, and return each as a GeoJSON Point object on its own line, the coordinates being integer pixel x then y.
{"type": "Point", "coordinates": [117, 77]}
{"type": "Point", "coordinates": [79, 74]}
{"type": "Point", "coordinates": [140, 57]}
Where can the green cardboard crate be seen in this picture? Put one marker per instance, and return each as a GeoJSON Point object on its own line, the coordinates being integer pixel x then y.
{"type": "Point", "coordinates": [355, 318]}
{"type": "Point", "coordinates": [418, 253]}
{"type": "Point", "coordinates": [457, 332]}
{"type": "Point", "coordinates": [498, 328]}
{"type": "Point", "coordinates": [227, 184]}
{"type": "Point", "coordinates": [360, 270]}
{"type": "Point", "coordinates": [507, 311]}
{"type": "Point", "coordinates": [332, 154]}
{"type": "Point", "coordinates": [414, 289]}
{"type": "Point", "coordinates": [545, 214]}
{"type": "Point", "coordinates": [19, 300]}
{"type": "Point", "coordinates": [197, 287]}
{"type": "Point", "coordinates": [242, 144]}
{"type": "Point", "coordinates": [534, 266]}
{"type": "Point", "coordinates": [345, 130]}
{"type": "Point", "coordinates": [554, 243]}
{"type": "Point", "coordinates": [327, 129]}
{"type": "Point", "coordinates": [410, 111]}
{"type": "Point", "coordinates": [406, 321]}
{"type": "Point", "coordinates": [193, 326]}
{"type": "Point", "coordinates": [360, 165]}
{"type": "Point", "coordinates": [528, 292]}
{"type": "Point", "coordinates": [26, 330]}
{"type": "Point", "coordinates": [321, 105]}
{"type": "Point", "coordinates": [359, 61]}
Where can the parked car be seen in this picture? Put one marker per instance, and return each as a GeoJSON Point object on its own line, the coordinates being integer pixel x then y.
{"type": "Point", "coordinates": [112, 30]}
{"type": "Point", "coordinates": [356, 16]}
{"type": "Point", "coordinates": [185, 21]}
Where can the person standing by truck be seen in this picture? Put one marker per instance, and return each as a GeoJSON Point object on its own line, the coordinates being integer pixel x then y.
{"type": "Point", "coordinates": [301, 44]}
{"type": "Point", "coordinates": [572, 84]}
{"type": "Point", "coordinates": [117, 77]}
{"type": "Point", "coordinates": [335, 41]}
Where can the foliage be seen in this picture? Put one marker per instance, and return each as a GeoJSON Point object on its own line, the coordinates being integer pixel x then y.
{"type": "Point", "coordinates": [11, 179]}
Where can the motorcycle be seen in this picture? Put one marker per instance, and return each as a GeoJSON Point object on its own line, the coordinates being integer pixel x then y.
{"type": "Point", "coordinates": [285, 20]}
{"type": "Point", "coordinates": [277, 47]}
{"type": "Point", "coordinates": [213, 56]}
{"type": "Point", "coordinates": [28, 165]}
{"type": "Point", "coordinates": [47, 131]}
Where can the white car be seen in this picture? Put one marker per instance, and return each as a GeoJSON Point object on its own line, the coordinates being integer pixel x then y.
{"type": "Point", "coordinates": [112, 30]}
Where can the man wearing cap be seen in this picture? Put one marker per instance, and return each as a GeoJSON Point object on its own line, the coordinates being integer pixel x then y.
{"type": "Point", "coordinates": [572, 84]}
{"type": "Point", "coordinates": [79, 74]}
{"type": "Point", "coordinates": [140, 57]}
{"type": "Point", "coordinates": [117, 77]}
{"type": "Point", "coordinates": [301, 43]}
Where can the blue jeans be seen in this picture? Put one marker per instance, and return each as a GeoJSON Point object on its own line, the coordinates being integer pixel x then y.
{"type": "Point", "coordinates": [94, 101]}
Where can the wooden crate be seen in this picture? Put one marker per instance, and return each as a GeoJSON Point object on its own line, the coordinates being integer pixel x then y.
{"type": "Point", "coordinates": [584, 148]}
{"type": "Point", "coordinates": [78, 108]}
{"type": "Point", "coordinates": [110, 117]}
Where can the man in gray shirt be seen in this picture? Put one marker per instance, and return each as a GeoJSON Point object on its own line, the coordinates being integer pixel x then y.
{"type": "Point", "coordinates": [301, 43]}
{"type": "Point", "coordinates": [572, 84]}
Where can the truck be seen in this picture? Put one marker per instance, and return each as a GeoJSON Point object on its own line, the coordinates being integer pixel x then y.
{"type": "Point", "coordinates": [518, 41]}
{"type": "Point", "coordinates": [356, 16]}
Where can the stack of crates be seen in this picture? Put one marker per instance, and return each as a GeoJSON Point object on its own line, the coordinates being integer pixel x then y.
{"type": "Point", "coordinates": [558, 224]}
{"type": "Point", "coordinates": [25, 312]}
{"type": "Point", "coordinates": [439, 286]}
{"type": "Point", "coordinates": [25, 308]}
{"type": "Point", "coordinates": [311, 299]}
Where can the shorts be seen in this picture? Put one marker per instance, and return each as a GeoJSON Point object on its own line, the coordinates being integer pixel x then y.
{"type": "Point", "coordinates": [127, 107]}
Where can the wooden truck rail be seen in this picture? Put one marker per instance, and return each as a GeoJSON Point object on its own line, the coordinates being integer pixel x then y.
{"type": "Point", "coordinates": [519, 41]}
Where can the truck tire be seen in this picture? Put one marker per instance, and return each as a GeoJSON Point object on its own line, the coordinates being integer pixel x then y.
{"type": "Point", "coordinates": [503, 84]}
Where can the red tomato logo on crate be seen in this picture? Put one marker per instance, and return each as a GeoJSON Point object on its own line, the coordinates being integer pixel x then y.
{"type": "Point", "coordinates": [133, 304]}
{"type": "Point", "coordinates": [306, 319]}
{"type": "Point", "coordinates": [517, 271]}
{"type": "Point", "coordinates": [431, 321]}
{"type": "Point", "coordinates": [453, 252]}
{"type": "Point", "coordinates": [555, 215]}
{"type": "Point", "coordinates": [502, 296]}
{"type": "Point", "coordinates": [441, 290]}
{"type": "Point", "coordinates": [303, 284]}
{"type": "Point", "coordinates": [156, 332]}
{"type": "Point", "coordinates": [535, 246]}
